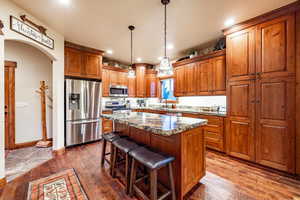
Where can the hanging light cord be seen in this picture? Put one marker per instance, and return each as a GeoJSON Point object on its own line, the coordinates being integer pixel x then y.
{"type": "Point", "coordinates": [165, 30]}
{"type": "Point", "coordinates": [131, 48]}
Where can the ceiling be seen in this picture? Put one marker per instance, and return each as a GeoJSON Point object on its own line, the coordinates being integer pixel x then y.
{"type": "Point", "coordinates": [102, 24]}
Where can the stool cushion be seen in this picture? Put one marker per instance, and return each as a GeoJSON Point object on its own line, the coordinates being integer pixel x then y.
{"type": "Point", "coordinates": [150, 158]}
{"type": "Point", "coordinates": [110, 137]}
{"type": "Point", "coordinates": [125, 145]}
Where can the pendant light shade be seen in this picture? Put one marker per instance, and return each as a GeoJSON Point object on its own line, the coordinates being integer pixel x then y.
{"type": "Point", "coordinates": [131, 72]}
{"type": "Point", "coordinates": [165, 67]}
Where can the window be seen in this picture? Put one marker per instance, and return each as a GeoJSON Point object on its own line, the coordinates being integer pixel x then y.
{"type": "Point", "coordinates": [167, 89]}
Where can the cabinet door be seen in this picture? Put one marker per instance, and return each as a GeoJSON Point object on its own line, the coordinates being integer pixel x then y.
{"type": "Point", "coordinates": [241, 111]}
{"type": "Point", "coordinates": [132, 87]}
{"type": "Point", "coordinates": [219, 75]}
{"type": "Point", "coordinates": [275, 135]}
{"type": "Point", "coordinates": [190, 88]}
{"type": "Point", "coordinates": [179, 81]}
{"type": "Point", "coordinates": [92, 66]}
{"type": "Point", "coordinates": [73, 62]}
{"type": "Point", "coordinates": [113, 77]}
{"type": "Point", "coordinates": [240, 55]}
{"type": "Point", "coordinates": [205, 81]}
{"type": "Point", "coordinates": [140, 81]}
{"type": "Point", "coordinates": [151, 85]}
{"type": "Point", "coordinates": [275, 46]}
{"type": "Point", "coordinates": [123, 78]}
{"type": "Point", "coordinates": [105, 82]}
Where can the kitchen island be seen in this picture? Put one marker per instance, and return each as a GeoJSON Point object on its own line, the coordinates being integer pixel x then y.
{"type": "Point", "coordinates": [181, 137]}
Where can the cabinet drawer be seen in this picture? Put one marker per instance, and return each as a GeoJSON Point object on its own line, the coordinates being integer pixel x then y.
{"type": "Point", "coordinates": [107, 125]}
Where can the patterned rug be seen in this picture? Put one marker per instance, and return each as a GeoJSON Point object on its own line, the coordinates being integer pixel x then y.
{"type": "Point", "coordinates": [64, 185]}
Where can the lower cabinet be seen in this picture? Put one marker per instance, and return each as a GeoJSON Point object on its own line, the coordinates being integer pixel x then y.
{"type": "Point", "coordinates": [107, 125]}
{"type": "Point", "coordinates": [214, 131]}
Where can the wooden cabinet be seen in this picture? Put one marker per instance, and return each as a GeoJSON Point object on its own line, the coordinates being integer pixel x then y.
{"type": "Point", "coordinates": [240, 55]}
{"type": "Point", "coordinates": [132, 87]}
{"type": "Point", "coordinates": [201, 76]}
{"type": "Point", "coordinates": [151, 85]}
{"type": "Point", "coordinates": [140, 81]}
{"type": "Point", "coordinates": [241, 111]}
{"type": "Point", "coordinates": [261, 107]}
{"type": "Point", "coordinates": [107, 125]}
{"type": "Point", "coordinates": [105, 82]}
{"type": "Point", "coordinates": [275, 127]}
{"type": "Point", "coordinates": [179, 81]}
{"type": "Point", "coordinates": [82, 62]}
{"type": "Point", "coordinates": [214, 131]}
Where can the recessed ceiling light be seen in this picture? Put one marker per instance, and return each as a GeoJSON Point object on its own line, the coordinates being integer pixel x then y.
{"type": "Point", "coordinates": [170, 46]}
{"type": "Point", "coordinates": [159, 58]}
{"type": "Point", "coordinates": [109, 51]}
{"type": "Point", "coordinates": [65, 2]}
{"type": "Point", "coordinates": [229, 22]}
{"type": "Point", "coordinates": [139, 59]}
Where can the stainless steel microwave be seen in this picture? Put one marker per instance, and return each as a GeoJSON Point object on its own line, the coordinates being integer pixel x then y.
{"type": "Point", "coordinates": [118, 91]}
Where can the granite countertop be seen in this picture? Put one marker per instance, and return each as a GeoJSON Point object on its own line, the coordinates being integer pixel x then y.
{"type": "Point", "coordinates": [185, 110]}
{"type": "Point", "coordinates": [155, 123]}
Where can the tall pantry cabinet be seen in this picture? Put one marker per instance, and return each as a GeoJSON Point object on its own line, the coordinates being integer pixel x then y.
{"type": "Point", "coordinates": [261, 93]}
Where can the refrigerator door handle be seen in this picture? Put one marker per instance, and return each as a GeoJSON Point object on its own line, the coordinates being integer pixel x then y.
{"type": "Point", "coordinates": [84, 121]}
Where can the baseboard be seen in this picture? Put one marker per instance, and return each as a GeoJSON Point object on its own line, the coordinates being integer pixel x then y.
{"type": "Point", "coordinates": [27, 144]}
{"type": "Point", "coordinates": [2, 182]}
{"type": "Point", "coordinates": [59, 152]}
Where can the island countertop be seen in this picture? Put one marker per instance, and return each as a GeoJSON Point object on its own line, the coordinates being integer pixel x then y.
{"type": "Point", "coordinates": [158, 124]}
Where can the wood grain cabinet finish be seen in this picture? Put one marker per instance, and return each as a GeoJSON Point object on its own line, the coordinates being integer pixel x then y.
{"type": "Point", "coordinates": [81, 64]}
{"type": "Point", "coordinates": [264, 101]}
{"type": "Point", "coordinates": [132, 87]}
{"type": "Point", "coordinates": [140, 81]}
{"type": "Point", "coordinates": [240, 55]}
{"type": "Point", "coordinates": [275, 47]}
{"type": "Point", "coordinates": [275, 126]}
{"type": "Point", "coordinates": [105, 82]}
{"type": "Point", "coordinates": [151, 85]}
{"type": "Point", "coordinates": [241, 111]}
{"type": "Point", "coordinates": [201, 78]}
{"type": "Point", "coordinates": [107, 125]}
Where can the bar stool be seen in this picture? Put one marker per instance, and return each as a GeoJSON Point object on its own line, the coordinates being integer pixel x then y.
{"type": "Point", "coordinates": [109, 137]}
{"type": "Point", "coordinates": [154, 161]}
{"type": "Point", "coordinates": [124, 145]}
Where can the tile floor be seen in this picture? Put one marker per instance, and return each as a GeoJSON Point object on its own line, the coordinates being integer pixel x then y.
{"type": "Point", "coordinates": [20, 161]}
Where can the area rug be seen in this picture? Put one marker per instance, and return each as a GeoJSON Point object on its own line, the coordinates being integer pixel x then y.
{"type": "Point", "coordinates": [64, 185]}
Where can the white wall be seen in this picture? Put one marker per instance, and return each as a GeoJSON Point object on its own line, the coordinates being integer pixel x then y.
{"type": "Point", "coordinates": [7, 8]}
{"type": "Point", "coordinates": [203, 101]}
{"type": "Point", "coordinates": [33, 66]}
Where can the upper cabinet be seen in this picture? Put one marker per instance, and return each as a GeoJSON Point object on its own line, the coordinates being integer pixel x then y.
{"type": "Point", "coordinates": [151, 83]}
{"type": "Point", "coordinates": [140, 81]}
{"type": "Point", "coordinates": [82, 62]}
{"type": "Point", "coordinates": [204, 75]}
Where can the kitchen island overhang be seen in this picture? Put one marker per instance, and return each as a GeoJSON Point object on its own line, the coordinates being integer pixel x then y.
{"type": "Point", "coordinates": [180, 137]}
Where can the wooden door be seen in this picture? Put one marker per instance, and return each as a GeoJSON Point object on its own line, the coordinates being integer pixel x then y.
{"type": "Point", "coordinates": [219, 75]}
{"type": "Point", "coordinates": [105, 82]}
{"type": "Point", "coordinates": [9, 101]}
{"type": "Point", "coordinates": [113, 77]}
{"type": "Point", "coordinates": [179, 80]}
{"type": "Point", "coordinates": [140, 81]}
{"type": "Point", "coordinates": [205, 81]}
{"type": "Point", "coordinates": [132, 87]}
{"type": "Point", "coordinates": [151, 85]}
{"type": "Point", "coordinates": [74, 62]}
{"type": "Point", "coordinates": [275, 126]}
{"type": "Point", "coordinates": [240, 55]}
{"type": "Point", "coordinates": [241, 112]}
{"type": "Point", "coordinates": [92, 66]}
{"type": "Point", "coordinates": [123, 77]}
{"type": "Point", "coordinates": [190, 80]}
{"type": "Point", "coordinates": [275, 47]}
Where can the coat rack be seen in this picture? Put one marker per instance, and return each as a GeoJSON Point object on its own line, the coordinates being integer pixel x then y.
{"type": "Point", "coordinates": [44, 143]}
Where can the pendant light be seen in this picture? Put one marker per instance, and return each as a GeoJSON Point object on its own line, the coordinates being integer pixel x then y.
{"type": "Point", "coordinates": [165, 67]}
{"type": "Point", "coordinates": [131, 73]}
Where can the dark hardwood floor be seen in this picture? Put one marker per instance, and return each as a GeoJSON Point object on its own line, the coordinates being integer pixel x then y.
{"type": "Point", "coordinates": [226, 179]}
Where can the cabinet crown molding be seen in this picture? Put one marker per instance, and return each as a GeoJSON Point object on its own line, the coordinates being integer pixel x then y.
{"type": "Point", "coordinates": [83, 48]}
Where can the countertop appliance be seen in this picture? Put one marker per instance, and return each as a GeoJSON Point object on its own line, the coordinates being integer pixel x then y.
{"type": "Point", "coordinates": [82, 108]}
{"type": "Point", "coordinates": [116, 105]}
{"type": "Point", "coordinates": [118, 91]}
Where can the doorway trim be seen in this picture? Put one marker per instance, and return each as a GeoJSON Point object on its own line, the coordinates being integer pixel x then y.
{"type": "Point", "coordinates": [10, 142]}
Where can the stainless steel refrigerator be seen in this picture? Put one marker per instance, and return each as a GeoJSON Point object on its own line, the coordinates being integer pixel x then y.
{"type": "Point", "coordinates": [82, 105]}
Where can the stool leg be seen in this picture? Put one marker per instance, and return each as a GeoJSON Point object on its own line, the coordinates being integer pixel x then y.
{"type": "Point", "coordinates": [132, 177]}
{"type": "Point", "coordinates": [153, 185]}
{"type": "Point", "coordinates": [171, 177]}
{"type": "Point", "coordinates": [113, 156]}
{"type": "Point", "coordinates": [127, 172]}
{"type": "Point", "coordinates": [103, 153]}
